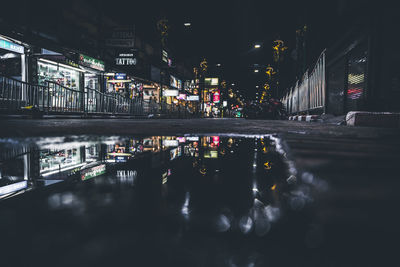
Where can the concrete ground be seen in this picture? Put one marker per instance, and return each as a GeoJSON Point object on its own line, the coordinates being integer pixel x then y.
{"type": "Point", "coordinates": [51, 127]}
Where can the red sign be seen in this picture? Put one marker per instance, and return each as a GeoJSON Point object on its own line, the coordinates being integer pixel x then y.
{"type": "Point", "coordinates": [216, 97]}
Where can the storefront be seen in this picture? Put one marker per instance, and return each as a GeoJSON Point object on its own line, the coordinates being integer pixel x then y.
{"type": "Point", "coordinates": [93, 75]}
{"type": "Point", "coordinates": [124, 85]}
{"type": "Point", "coordinates": [64, 74]}
{"type": "Point", "coordinates": [81, 74]}
{"type": "Point", "coordinates": [12, 59]}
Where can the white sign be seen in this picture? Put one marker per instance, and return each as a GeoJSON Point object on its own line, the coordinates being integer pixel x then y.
{"type": "Point", "coordinates": [169, 143]}
{"type": "Point", "coordinates": [11, 46]}
{"type": "Point", "coordinates": [13, 187]}
{"type": "Point", "coordinates": [120, 42]}
{"type": "Point", "coordinates": [192, 98]}
{"type": "Point", "coordinates": [170, 93]}
{"type": "Point", "coordinates": [225, 103]}
{"type": "Point", "coordinates": [192, 138]}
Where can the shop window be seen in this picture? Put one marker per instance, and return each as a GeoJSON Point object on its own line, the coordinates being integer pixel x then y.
{"type": "Point", "coordinates": [61, 75]}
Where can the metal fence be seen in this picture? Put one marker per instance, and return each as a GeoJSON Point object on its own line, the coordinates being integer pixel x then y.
{"type": "Point", "coordinates": [53, 98]}
{"type": "Point", "coordinates": [308, 93]}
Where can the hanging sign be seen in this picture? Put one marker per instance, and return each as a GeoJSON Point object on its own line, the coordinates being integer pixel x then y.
{"type": "Point", "coordinates": [91, 62]}
{"type": "Point", "coordinates": [7, 45]}
{"type": "Point", "coordinates": [128, 59]}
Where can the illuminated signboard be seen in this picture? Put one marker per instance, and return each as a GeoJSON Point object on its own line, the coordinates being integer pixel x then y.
{"type": "Point", "coordinates": [7, 45]}
{"type": "Point", "coordinates": [173, 153]}
{"type": "Point", "coordinates": [176, 83]}
{"type": "Point", "coordinates": [192, 98]}
{"type": "Point", "coordinates": [170, 93]}
{"type": "Point", "coordinates": [192, 138]}
{"type": "Point", "coordinates": [93, 172]}
{"type": "Point", "coordinates": [225, 103]}
{"type": "Point", "coordinates": [182, 96]}
{"type": "Point", "coordinates": [120, 76]}
{"type": "Point", "coordinates": [215, 140]}
{"type": "Point", "coordinates": [173, 143]}
{"type": "Point", "coordinates": [216, 97]}
{"type": "Point", "coordinates": [126, 60]}
{"type": "Point", "coordinates": [165, 56]}
{"type": "Point", "coordinates": [181, 139]}
{"type": "Point", "coordinates": [91, 62]}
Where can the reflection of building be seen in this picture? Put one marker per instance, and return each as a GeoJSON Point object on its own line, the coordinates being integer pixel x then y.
{"type": "Point", "coordinates": [27, 167]}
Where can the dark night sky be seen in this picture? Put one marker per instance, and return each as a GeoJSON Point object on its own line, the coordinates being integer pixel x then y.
{"type": "Point", "coordinates": [225, 31]}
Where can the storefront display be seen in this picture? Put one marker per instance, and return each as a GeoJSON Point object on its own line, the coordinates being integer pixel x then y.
{"type": "Point", "coordinates": [59, 160]}
{"type": "Point", "coordinates": [59, 73]}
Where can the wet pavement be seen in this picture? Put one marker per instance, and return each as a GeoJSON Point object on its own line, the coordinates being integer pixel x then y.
{"type": "Point", "coordinates": [186, 201]}
{"type": "Point", "coordinates": [294, 198]}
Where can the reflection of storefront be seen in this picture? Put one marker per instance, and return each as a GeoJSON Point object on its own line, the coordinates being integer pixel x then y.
{"type": "Point", "coordinates": [12, 59]}
{"type": "Point", "coordinates": [54, 161]}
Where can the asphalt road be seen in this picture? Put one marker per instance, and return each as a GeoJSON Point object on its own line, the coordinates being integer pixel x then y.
{"type": "Point", "coordinates": [54, 127]}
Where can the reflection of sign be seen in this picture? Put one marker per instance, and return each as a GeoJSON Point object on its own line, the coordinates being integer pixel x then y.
{"type": "Point", "coordinates": [126, 60]}
{"type": "Point", "coordinates": [126, 176]}
{"type": "Point", "coordinates": [170, 93]}
{"type": "Point", "coordinates": [91, 62]}
{"type": "Point", "coordinates": [11, 46]}
{"type": "Point", "coordinates": [173, 153]}
{"type": "Point", "coordinates": [93, 172]}
{"type": "Point", "coordinates": [211, 81]}
{"type": "Point", "coordinates": [13, 187]}
{"type": "Point", "coordinates": [181, 139]}
{"type": "Point", "coordinates": [192, 98]}
{"type": "Point", "coordinates": [211, 154]}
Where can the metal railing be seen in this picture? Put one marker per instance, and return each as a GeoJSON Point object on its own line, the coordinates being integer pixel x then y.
{"type": "Point", "coordinates": [52, 98]}
{"type": "Point", "coordinates": [308, 93]}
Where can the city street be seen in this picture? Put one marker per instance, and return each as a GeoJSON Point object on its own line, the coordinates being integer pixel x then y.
{"type": "Point", "coordinates": [199, 133]}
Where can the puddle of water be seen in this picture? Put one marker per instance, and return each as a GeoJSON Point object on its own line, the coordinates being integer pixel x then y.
{"type": "Point", "coordinates": [91, 195]}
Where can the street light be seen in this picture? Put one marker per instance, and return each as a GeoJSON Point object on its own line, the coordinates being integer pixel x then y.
{"type": "Point", "coordinates": [233, 84]}
{"type": "Point", "coordinates": [257, 46]}
{"type": "Point", "coordinates": [256, 70]}
{"type": "Point", "coordinates": [257, 86]}
{"type": "Point", "coordinates": [187, 24]}
{"type": "Point", "coordinates": [218, 65]}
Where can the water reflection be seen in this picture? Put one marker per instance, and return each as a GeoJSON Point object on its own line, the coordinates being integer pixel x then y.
{"type": "Point", "coordinates": [169, 185]}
